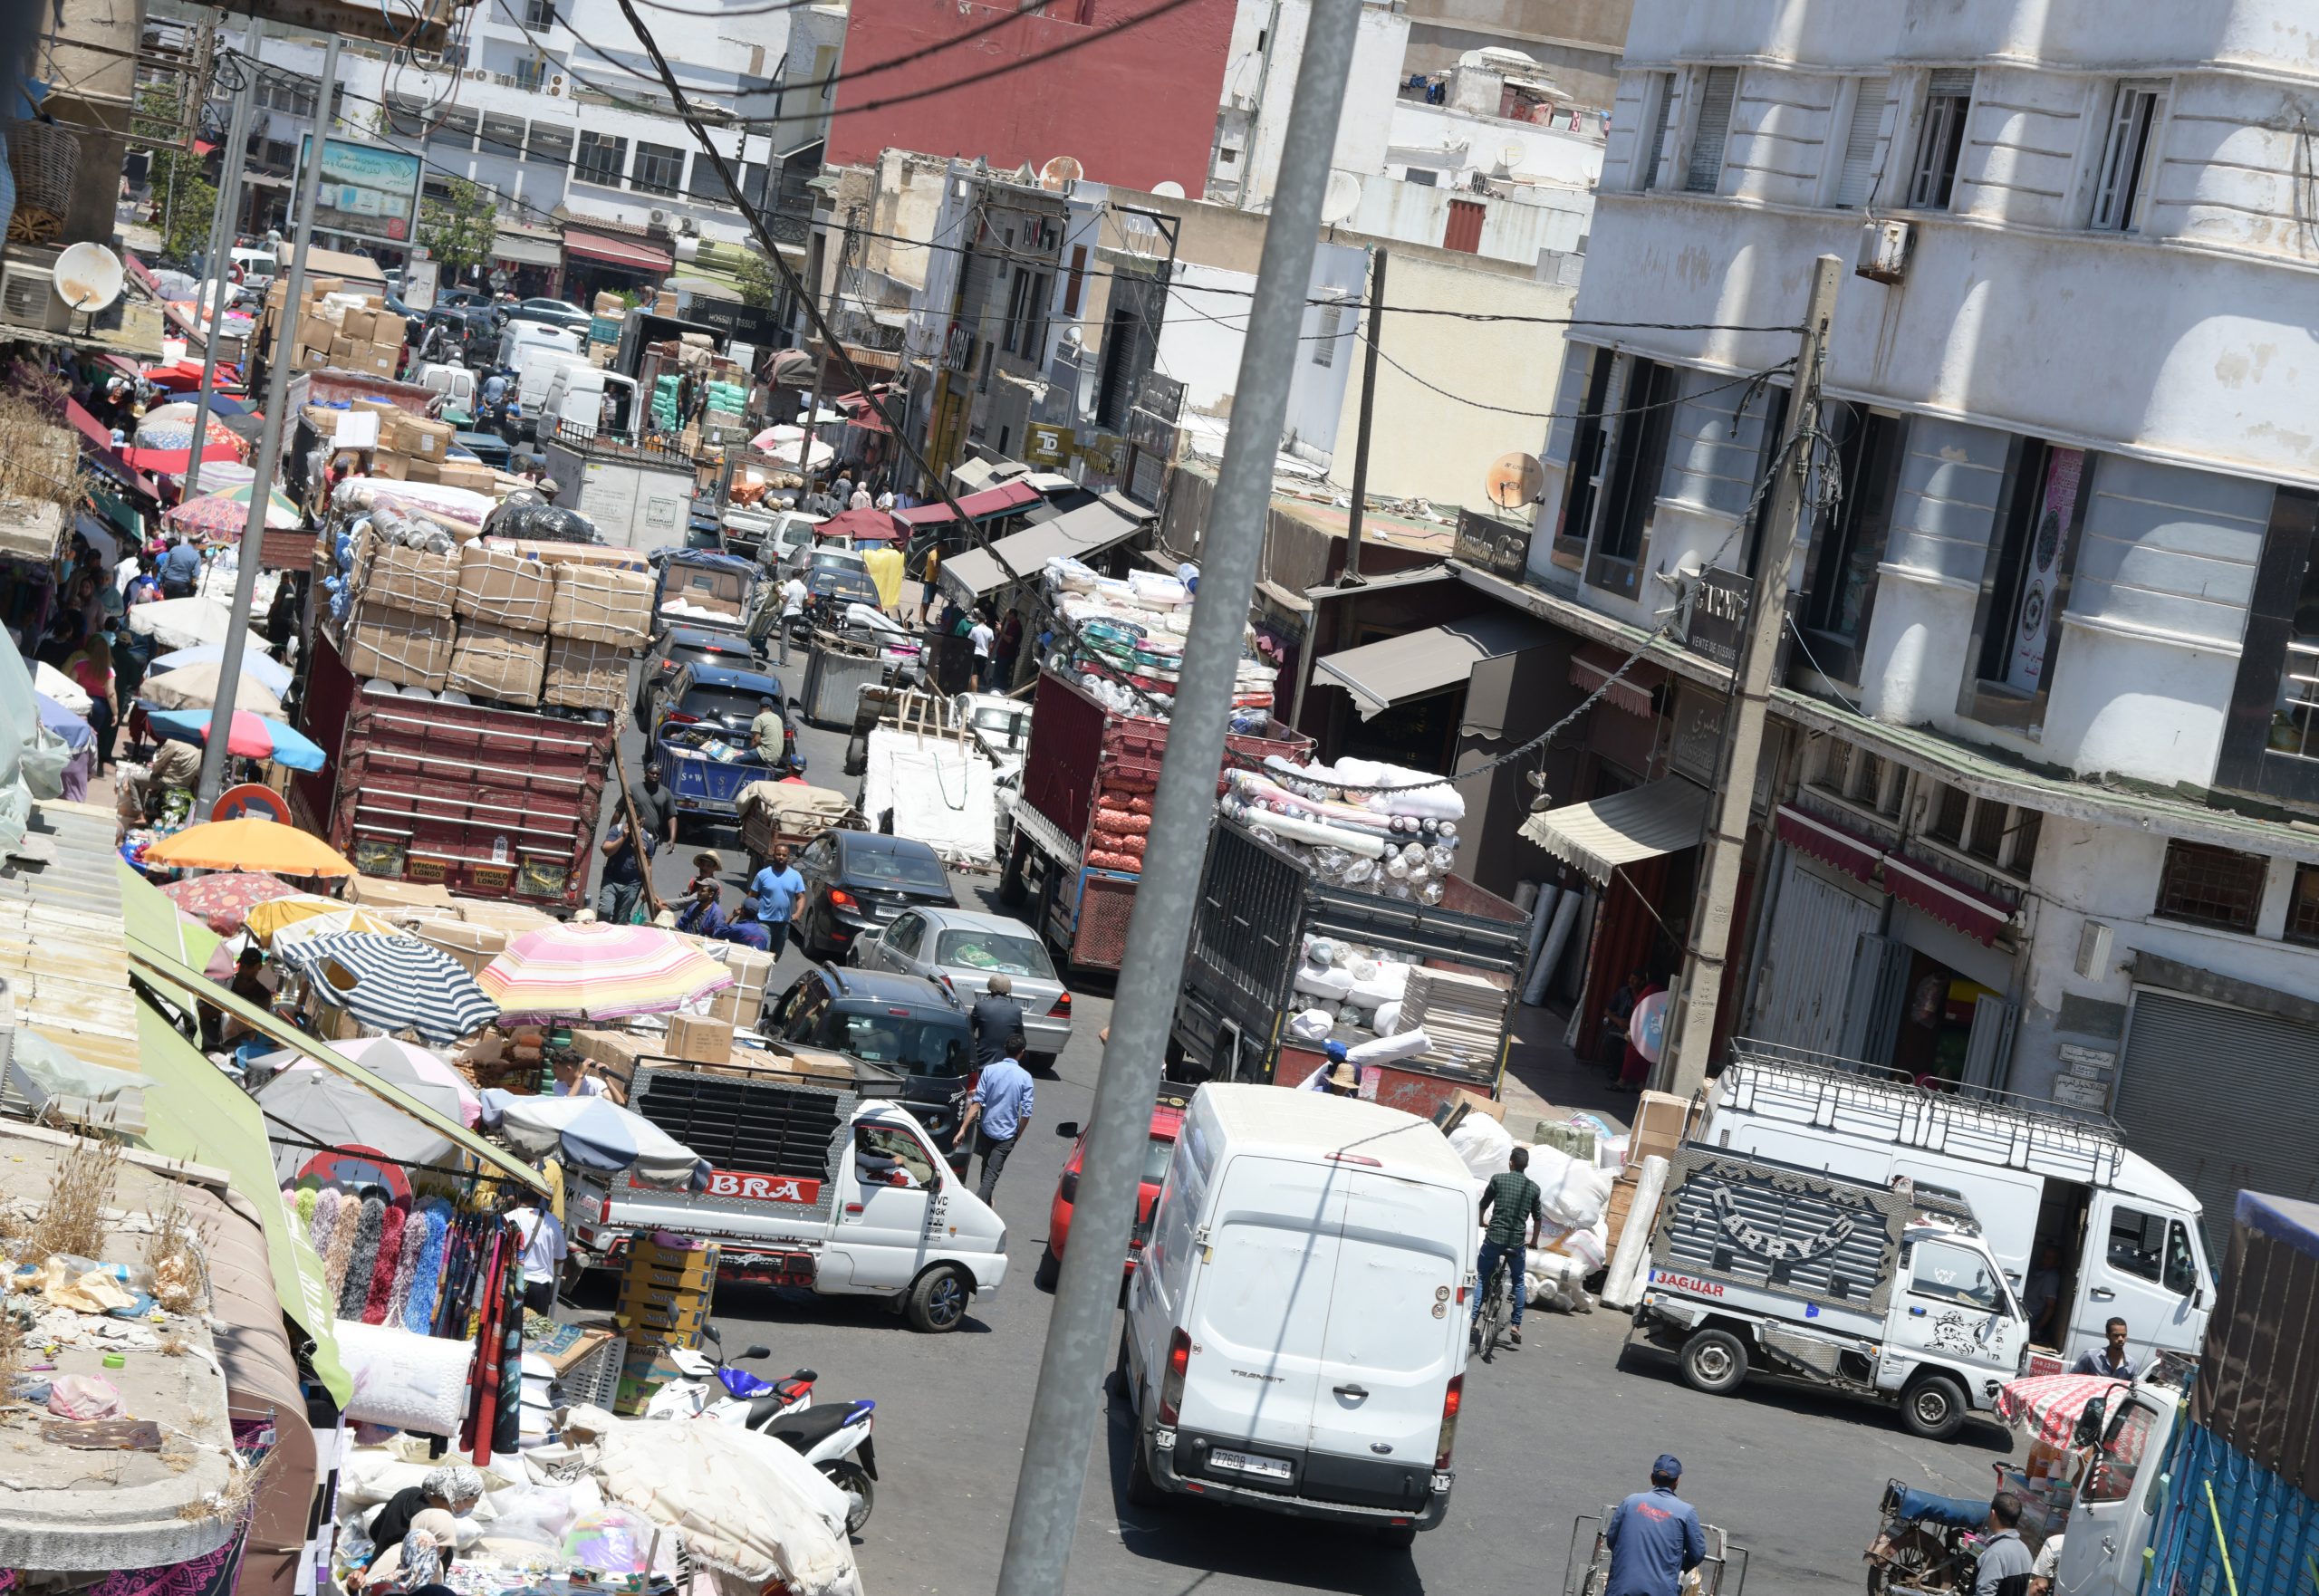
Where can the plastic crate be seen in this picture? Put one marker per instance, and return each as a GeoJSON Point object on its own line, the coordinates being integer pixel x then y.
{"type": "Point", "coordinates": [594, 1381]}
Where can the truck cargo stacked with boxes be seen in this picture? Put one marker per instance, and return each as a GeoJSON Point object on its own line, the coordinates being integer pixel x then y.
{"type": "Point", "coordinates": [342, 320]}
{"type": "Point", "coordinates": [465, 693]}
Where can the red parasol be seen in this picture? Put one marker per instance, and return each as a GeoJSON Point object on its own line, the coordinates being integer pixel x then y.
{"type": "Point", "coordinates": [222, 902]}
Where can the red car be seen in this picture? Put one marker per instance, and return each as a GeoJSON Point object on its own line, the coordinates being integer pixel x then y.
{"type": "Point", "coordinates": [1167, 1122]}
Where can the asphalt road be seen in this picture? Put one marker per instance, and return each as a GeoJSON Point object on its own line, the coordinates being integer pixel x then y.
{"type": "Point", "coordinates": [1553, 1431]}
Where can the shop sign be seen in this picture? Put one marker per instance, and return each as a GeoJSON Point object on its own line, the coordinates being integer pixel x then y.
{"type": "Point", "coordinates": [1716, 617]}
{"type": "Point", "coordinates": [1048, 445]}
{"type": "Point", "coordinates": [1699, 734]}
{"type": "Point", "coordinates": [2072, 1093]}
{"type": "Point", "coordinates": [1498, 547]}
{"type": "Point", "coordinates": [2087, 1063]}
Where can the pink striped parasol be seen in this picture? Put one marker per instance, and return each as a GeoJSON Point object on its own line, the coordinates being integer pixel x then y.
{"type": "Point", "coordinates": [599, 972]}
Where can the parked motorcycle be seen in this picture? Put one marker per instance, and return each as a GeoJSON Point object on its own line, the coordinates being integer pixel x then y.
{"type": "Point", "coordinates": [1928, 1543]}
{"type": "Point", "coordinates": [834, 1439]}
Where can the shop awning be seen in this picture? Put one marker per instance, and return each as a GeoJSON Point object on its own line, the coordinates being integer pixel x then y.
{"type": "Point", "coordinates": [526, 247]}
{"type": "Point", "coordinates": [1076, 534]}
{"type": "Point", "coordinates": [1946, 899]}
{"type": "Point", "coordinates": [1824, 840]}
{"type": "Point", "coordinates": [1008, 498]}
{"type": "Point", "coordinates": [103, 451]}
{"type": "Point", "coordinates": [629, 255]}
{"type": "Point", "coordinates": [1592, 665]}
{"type": "Point", "coordinates": [1665, 816]}
{"type": "Point", "coordinates": [1433, 659]}
{"type": "Point", "coordinates": [861, 411]}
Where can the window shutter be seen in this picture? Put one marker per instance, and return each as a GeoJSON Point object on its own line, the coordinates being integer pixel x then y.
{"type": "Point", "coordinates": [1857, 185]}
{"type": "Point", "coordinates": [1989, 1044]}
{"type": "Point", "coordinates": [1952, 83]}
{"type": "Point", "coordinates": [1706, 171]}
{"type": "Point", "coordinates": [1660, 91]}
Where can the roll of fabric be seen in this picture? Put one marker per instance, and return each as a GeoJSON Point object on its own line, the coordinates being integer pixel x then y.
{"type": "Point", "coordinates": [362, 1258]}
{"type": "Point", "coordinates": [413, 1242]}
{"type": "Point", "coordinates": [303, 1204]}
{"type": "Point", "coordinates": [382, 1267]}
{"type": "Point", "coordinates": [324, 1225]}
{"type": "Point", "coordinates": [427, 1275]}
{"type": "Point", "coordinates": [346, 1221]}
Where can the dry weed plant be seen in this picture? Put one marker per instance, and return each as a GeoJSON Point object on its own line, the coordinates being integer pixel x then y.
{"type": "Point", "coordinates": [72, 1220]}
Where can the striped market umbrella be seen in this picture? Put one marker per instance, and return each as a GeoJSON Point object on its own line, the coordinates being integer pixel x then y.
{"type": "Point", "coordinates": [393, 983]}
{"type": "Point", "coordinates": [221, 516]}
{"type": "Point", "coordinates": [222, 901]}
{"type": "Point", "coordinates": [600, 973]}
{"type": "Point", "coordinates": [2048, 1406]}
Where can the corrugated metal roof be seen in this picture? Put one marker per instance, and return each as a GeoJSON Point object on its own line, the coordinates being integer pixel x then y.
{"type": "Point", "coordinates": [62, 946]}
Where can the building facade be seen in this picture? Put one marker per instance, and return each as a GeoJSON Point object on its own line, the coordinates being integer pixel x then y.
{"type": "Point", "coordinates": [2041, 815]}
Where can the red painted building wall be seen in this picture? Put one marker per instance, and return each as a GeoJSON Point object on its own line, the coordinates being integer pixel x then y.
{"type": "Point", "coordinates": [1135, 107]}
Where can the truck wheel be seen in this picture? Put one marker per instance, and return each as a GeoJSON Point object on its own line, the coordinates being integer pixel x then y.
{"type": "Point", "coordinates": [1122, 1382]}
{"type": "Point", "coordinates": [937, 1301]}
{"type": "Point", "coordinates": [1010, 879]}
{"type": "Point", "coordinates": [1049, 1270]}
{"type": "Point", "coordinates": [1933, 1407]}
{"type": "Point", "coordinates": [1714, 1361]}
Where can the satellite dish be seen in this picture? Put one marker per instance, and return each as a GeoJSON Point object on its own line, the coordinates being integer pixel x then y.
{"type": "Point", "coordinates": [1343, 198]}
{"type": "Point", "coordinates": [1060, 173]}
{"type": "Point", "coordinates": [88, 277]}
{"type": "Point", "coordinates": [1510, 157]}
{"type": "Point", "coordinates": [1515, 479]}
{"type": "Point", "coordinates": [1169, 189]}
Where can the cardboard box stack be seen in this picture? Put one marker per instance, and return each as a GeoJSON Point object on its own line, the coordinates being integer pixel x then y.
{"type": "Point", "coordinates": [665, 1295]}
{"type": "Point", "coordinates": [348, 329]}
{"type": "Point", "coordinates": [497, 663]}
{"type": "Point", "coordinates": [1659, 1119]}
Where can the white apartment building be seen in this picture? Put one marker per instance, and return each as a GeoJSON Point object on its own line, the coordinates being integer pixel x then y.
{"type": "Point", "coordinates": [2050, 774]}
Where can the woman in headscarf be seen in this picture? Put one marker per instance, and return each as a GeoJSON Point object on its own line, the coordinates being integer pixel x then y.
{"type": "Point", "coordinates": [422, 1558]}
{"type": "Point", "coordinates": [454, 1490]}
{"type": "Point", "coordinates": [91, 672]}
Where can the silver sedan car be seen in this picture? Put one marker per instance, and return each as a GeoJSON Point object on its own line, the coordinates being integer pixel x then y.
{"type": "Point", "coordinates": [960, 949]}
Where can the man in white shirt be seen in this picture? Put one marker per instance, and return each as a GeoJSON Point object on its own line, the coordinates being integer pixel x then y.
{"type": "Point", "coordinates": [545, 1250]}
{"type": "Point", "coordinates": [572, 1080]}
{"type": "Point", "coordinates": [859, 501]}
{"type": "Point", "coordinates": [792, 605]}
{"type": "Point", "coordinates": [885, 500]}
{"type": "Point", "coordinates": [981, 637]}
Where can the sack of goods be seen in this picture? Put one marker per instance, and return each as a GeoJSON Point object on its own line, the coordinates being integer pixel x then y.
{"type": "Point", "coordinates": [1123, 642]}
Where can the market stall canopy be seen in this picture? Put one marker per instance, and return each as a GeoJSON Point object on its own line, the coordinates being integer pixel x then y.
{"type": "Point", "coordinates": [271, 673]}
{"type": "Point", "coordinates": [223, 901]}
{"type": "Point", "coordinates": [73, 728]}
{"type": "Point", "coordinates": [1008, 498]}
{"type": "Point", "coordinates": [594, 1133]}
{"type": "Point", "coordinates": [599, 972]}
{"type": "Point", "coordinates": [52, 683]}
{"type": "Point", "coordinates": [309, 1110]}
{"type": "Point", "coordinates": [1432, 659]}
{"type": "Point", "coordinates": [1076, 534]}
{"type": "Point", "coordinates": [875, 526]}
{"type": "Point", "coordinates": [249, 844]}
{"type": "Point", "coordinates": [252, 736]}
{"type": "Point", "coordinates": [1664, 816]}
{"type": "Point", "coordinates": [394, 981]}
{"type": "Point", "coordinates": [188, 623]}
{"type": "Point", "coordinates": [2048, 1406]}
{"type": "Point", "coordinates": [224, 515]}
{"type": "Point", "coordinates": [196, 687]}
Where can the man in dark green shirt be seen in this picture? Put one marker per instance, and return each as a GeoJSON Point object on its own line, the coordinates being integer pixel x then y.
{"type": "Point", "coordinates": [1511, 1206]}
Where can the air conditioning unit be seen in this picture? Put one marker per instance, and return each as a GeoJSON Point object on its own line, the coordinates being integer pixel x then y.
{"type": "Point", "coordinates": [2094, 942]}
{"type": "Point", "coordinates": [555, 84]}
{"type": "Point", "coordinates": [28, 297]}
{"type": "Point", "coordinates": [660, 218]}
{"type": "Point", "coordinates": [478, 74]}
{"type": "Point", "coordinates": [1884, 251]}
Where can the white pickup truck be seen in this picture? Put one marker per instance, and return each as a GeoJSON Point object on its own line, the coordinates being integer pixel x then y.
{"type": "Point", "coordinates": [815, 1185]}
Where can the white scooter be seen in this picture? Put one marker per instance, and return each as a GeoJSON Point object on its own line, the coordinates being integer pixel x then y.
{"type": "Point", "coordinates": [835, 1439]}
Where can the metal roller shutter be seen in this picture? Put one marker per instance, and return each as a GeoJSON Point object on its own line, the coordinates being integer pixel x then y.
{"type": "Point", "coordinates": [2222, 1098]}
{"type": "Point", "coordinates": [1705, 173]}
{"type": "Point", "coordinates": [1858, 184]}
{"type": "Point", "coordinates": [1807, 971]}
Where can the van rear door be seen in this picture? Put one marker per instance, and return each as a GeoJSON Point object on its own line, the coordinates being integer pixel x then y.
{"type": "Point", "coordinates": [1396, 1328]}
{"type": "Point", "coordinates": [1260, 1307]}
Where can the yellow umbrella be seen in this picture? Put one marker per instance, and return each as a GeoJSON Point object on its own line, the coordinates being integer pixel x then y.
{"type": "Point", "coordinates": [249, 844]}
{"type": "Point", "coordinates": [281, 913]}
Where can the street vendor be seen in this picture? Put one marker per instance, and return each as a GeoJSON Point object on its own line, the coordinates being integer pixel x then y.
{"type": "Point", "coordinates": [455, 1490]}
{"type": "Point", "coordinates": [704, 916]}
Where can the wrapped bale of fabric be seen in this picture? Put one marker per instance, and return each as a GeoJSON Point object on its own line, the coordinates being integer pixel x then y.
{"type": "Point", "coordinates": [584, 675]}
{"type": "Point", "coordinates": [413, 581]}
{"type": "Point", "coordinates": [403, 1379]}
{"type": "Point", "coordinates": [601, 605]}
{"type": "Point", "coordinates": [503, 588]}
{"type": "Point", "coordinates": [498, 663]}
{"type": "Point", "coordinates": [396, 646]}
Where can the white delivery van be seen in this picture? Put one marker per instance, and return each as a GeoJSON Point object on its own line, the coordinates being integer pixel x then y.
{"type": "Point", "coordinates": [587, 402]}
{"type": "Point", "coordinates": [1295, 1339]}
{"type": "Point", "coordinates": [2127, 1232]}
{"type": "Point", "coordinates": [517, 336]}
{"type": "Point", "coordinates": [815, 1184]}
{"type": "Point", "coordinates": [456, 384]}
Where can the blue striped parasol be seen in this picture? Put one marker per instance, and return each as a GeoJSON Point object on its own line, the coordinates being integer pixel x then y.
{"type": "Point", "coordinates": [393, 982]}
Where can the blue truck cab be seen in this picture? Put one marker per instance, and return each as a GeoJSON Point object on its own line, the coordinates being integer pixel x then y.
{"type": "Point", "coordinates": [700, 734]}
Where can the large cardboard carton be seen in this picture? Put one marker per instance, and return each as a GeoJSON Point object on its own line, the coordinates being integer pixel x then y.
{"type": "Point", "coordinates": [409, 651]}
{"type": "Point", "coordinates": [505, 588]}
{"type": "Point", "coordinates": [703, 1040]}
{"type": "Point", "coordinates": [740, 1003]}
{"type": "Point", "coordinates": [601, 605]}
{"type": "Point", "coordinates": [412, 579]}
{"type": "Point", "coordinates": [582, 674]}
{"type": "Point", "coordinates": [348, 354]}
{"type": "Point", "coordinates": [472, 475]}
{"type": "Point", "coordinates": [391, 898]}
{"type": "Point", "coordinates": [498, 663]}
{"type": "Point", "coordinates": [418, 437]}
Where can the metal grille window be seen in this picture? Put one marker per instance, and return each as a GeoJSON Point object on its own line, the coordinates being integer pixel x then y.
{"type": "Point", "coordinates": [2203, 885]}
{"type": "Point", "coordinates": [2302, 906]}
{"type": "Point", "coordinates": [1949, 807]}
{"type": "Point", "coordinates": [1947, 100]}
{"type": "Point", "coordinates": [1835, 766]}
{"type": "Point", "coordinates": [1868, 782]}
{"type": "Point", "coordinates": [550, 144]}
{"type": "Point", "coordinates": [2026, 825]}
{"type": "Point", "coordinates": [707, 185]}
{"type": "Point", "coordinates": [1705, 173]}
{"type": "Point", "coordinates": [602, 159]}
{"type": "Point", "coordinates": [1986, 839]}
{"type": "Point", "coordinates": [1856, 184]}
{"type": "Point", "coordinates": [659, 169]}
{"type": "Point", "coordinates": [1658, 104]}
{"type": "Point", "coordinates": [454, 128]}
{"type": "Point", "coordinates": [2123, 184]}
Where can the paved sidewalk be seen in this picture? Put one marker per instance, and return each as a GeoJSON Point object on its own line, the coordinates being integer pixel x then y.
{"type": "Point", "coordinates": [1544, 1080]}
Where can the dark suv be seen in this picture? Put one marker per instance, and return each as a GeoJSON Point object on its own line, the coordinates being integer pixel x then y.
{"type": "Point", "coordinates": [858, 882]}
{"type": "Point", "coordinates": [906, 1023]}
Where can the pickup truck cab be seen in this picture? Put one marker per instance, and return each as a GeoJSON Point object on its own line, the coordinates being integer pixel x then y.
{"type": "Point", "coordinates": [816, 1183]}
{"type": "Point", "coordinates": [700, 735]}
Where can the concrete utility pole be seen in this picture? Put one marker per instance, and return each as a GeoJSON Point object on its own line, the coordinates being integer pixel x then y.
{"type": "Point", "coordinates": [269, 445]}
{"type": "Point", "coordinates": [221, 245]}
{"type": "Point", "coordinates": [813, 406]}
{"type": "Point", "coordinates": [1682, 1066]}
{"type": "Point", "coordinates": [1352, 576]}
{"type": "Point", "coordinates": [1070, 1396]}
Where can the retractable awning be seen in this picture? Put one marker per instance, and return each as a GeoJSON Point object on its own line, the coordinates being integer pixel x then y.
{"type": "Point", "coordinates": [1643, 823]}
{"type": "Point", "coordinates": [1008, 499]}
{"type": "Point", "coordinates": [629, 255]}
{"type": "Point", "coordinates": [1076, 534]}
{"type": "Point", "coordinates": [1418, 664]}
{"type": "Point", "coordinates": [526, 247]}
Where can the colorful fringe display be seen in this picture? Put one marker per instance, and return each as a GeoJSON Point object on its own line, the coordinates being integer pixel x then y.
{"type": "Point", "coordinates": [382, 1271]}
{"type": "Point", "coordinates": [342, 1243]}
{"type": "Point", "coordinates": [303, 1201]}
{"type": "Point", "coordinates": [327, 1208]}
{"type": "Point", "coordinates": [427, 1278]}
{"type": "Point", "coordinates": [414, 1238]}
{"type": "Point", "coordinates": [355, 1286]}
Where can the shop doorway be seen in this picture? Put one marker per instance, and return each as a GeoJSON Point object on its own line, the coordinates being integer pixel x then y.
{"type": "Point", "coordinates": [1934, 1043]}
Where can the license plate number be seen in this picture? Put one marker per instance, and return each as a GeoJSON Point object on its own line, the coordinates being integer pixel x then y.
{"type": "Point", "coordinates": [1270, 1468]}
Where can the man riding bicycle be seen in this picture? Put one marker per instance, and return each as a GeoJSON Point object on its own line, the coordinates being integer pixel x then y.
{"type": "Point", "coordinates": [1510, 1199]}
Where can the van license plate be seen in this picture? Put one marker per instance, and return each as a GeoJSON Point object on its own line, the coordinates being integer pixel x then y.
{"type": "Point", "coordinates": [1270, 1468]}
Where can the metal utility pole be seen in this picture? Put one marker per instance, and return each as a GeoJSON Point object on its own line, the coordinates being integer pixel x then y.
{"type": "Point", "coordinates": [1069, 1401]}
{"type": "Point", "coordinates": [1352, 576]}
{"type": "Point", "coordinates": [221, 245]}
{"type": "Point", "coordinates": [269, 445]}
{"type": "Point", "coordinates": [1682, 1067]}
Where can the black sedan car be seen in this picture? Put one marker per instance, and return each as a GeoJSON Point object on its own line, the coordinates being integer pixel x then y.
{"type": "Point", "coordinates": [682, 646]}
{"type": "Point", "coordinates": [858, 882]}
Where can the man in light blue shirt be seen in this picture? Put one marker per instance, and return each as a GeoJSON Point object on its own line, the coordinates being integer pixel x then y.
{"type": "Point", "coordinates": [998, 1113]}
{"type": "Point", "coordinates": [776, 888]}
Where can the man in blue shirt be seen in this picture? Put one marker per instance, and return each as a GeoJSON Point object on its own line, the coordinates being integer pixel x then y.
{"type": "Point", "coordinates": [180, 570]}
{"type": "Point", "coordinates": [776, 888]}
{"type": "Point", "coordinates": [1654, 1537]}
{"type": "Point", "coordinates": [998, 1114]}
{"type": "Point", "coordinates": [745, 928]}
{"type": "Point", "coordinates": [704, 916]}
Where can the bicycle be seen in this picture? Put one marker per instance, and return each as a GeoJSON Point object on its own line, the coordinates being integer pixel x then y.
{"type": "Point", "coordinates": [1497, 1311]}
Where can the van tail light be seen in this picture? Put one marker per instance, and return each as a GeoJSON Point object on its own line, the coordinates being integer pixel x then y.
{"type": "Point", "coordinates": [678, 718]}
{"type": "Point", "coordinates": [1172, 1384]}
{"type": "Point", "coordinates": [1062, 1009]}
{"type": "Point", "coordinates": [1452, 1399]}
{"type": "Point", "coordinates": [841, 899]}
